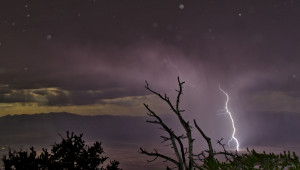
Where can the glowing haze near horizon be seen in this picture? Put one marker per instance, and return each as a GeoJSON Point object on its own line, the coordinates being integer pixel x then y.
{"type": "Point", "coordinates": [92, 57]}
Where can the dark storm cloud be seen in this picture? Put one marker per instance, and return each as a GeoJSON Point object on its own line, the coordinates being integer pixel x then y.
{"type": "Point", "coordinates": [60, 98]}
{"type": "Point", "coordinates": [4, 89]}
{"type": "Point", "coordinates": [17, 96]}
{"type": "Point", "coordinates": [96, 96]}
{"type": "Point", "coordinates": [89, 75]}
{"type": "Point", "coordinates": [93, 56]}
{"type": "Point", "coordinates": [41, 96]}
{"type": "Point", "coordinates": [93, 46]}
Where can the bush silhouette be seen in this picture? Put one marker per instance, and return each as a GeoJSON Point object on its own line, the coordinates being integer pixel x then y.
{"type": "Point", "coordinates": [71, 153]}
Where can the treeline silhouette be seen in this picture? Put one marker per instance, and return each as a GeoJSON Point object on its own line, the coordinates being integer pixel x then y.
{"type": "Point", "coordinates": [71, 153]}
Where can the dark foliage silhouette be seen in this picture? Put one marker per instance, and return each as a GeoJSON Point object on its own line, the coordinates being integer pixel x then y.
{"type": "Point", "coordinates": [186, 158]}
{"type": "Point", "coordinates": [71, 153]}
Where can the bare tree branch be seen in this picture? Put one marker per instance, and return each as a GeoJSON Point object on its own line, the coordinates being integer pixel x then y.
{"type": "Point", "coordinates": [156, 155]}
{"type": "Point", "coordinates": [225, 152]}
{"type": "Point", "coordinates": [172, 136]}
{"type": "Point", "coordinates": [208, 141]}
{"type": "Point", "coordinates": [184, 124]}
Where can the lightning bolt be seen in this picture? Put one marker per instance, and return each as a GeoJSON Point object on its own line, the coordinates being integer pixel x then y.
{"type": "Point", "coordinates": [226, 110]}
{"type": "Point", "coordinates": [232, 120]}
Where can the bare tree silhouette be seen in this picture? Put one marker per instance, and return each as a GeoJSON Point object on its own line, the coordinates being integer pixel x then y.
{"type": "Point", "coordinates": [186, 157]}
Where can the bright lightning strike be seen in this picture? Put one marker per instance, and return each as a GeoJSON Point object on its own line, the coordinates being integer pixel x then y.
{"type": "Point", "coordinates": [232, 121]}
{"type": "Point", "coordinates": [168, 61]}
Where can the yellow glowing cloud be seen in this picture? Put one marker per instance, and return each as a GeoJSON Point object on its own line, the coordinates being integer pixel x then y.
{"type": "Point", "coordinates": [131, 105]}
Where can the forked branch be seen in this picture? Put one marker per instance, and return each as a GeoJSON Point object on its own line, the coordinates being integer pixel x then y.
{"type": "Point", "coordinates": [155, 154]}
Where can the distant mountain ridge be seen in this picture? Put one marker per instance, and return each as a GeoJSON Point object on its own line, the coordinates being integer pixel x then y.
{"type": "Point", "coordinates": [262, 128]}
{"type": "Point", "coordinates": [45, 128]}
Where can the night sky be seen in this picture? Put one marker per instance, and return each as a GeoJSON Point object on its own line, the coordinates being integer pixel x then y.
{"type": "Point", "coordinates": [92, 57]}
